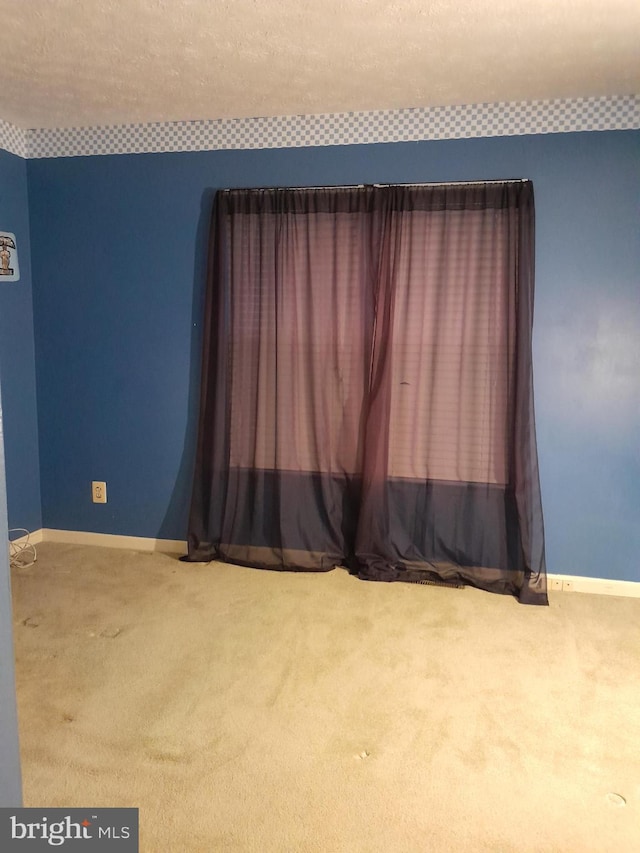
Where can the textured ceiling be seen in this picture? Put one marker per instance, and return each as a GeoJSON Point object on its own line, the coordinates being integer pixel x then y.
{"type": "Point", "coordinates": [71, 63]}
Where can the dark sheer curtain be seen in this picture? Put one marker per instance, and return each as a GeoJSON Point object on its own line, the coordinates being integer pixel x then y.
{"type": "Point", "coordinates": [367, 392]}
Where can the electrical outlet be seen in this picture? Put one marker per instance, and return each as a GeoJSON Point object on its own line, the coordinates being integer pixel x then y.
{"type": "Point", "coordinates": [99, 492]}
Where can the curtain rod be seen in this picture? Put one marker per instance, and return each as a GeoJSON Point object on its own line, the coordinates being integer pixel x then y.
{"type": "Point", "coordinates": [362, 186]}
{"type": "Point", "coordinates": [456, 183]}
{"type": "Point", "coordinates": [326, 187]}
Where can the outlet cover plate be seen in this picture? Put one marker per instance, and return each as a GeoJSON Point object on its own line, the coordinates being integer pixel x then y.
{"type": "Point", "coordinates": [99, 492]}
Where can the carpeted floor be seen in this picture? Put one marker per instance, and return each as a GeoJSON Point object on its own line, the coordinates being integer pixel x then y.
{"type": "Point", "coordinates": [272, 712]}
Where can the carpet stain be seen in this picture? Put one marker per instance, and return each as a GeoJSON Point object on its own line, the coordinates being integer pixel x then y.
{"type": "Point", "coordinates": [31, 622]}
{"type": "Point", "coordinates": [165, 756]}
{"type": "Point", "coordinates": [163, 751]}
{"type": "Point", "coordinates": [278, 688]}
{"type": "Point", "coordinates": [168, 757]}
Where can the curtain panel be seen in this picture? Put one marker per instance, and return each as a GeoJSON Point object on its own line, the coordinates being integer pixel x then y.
{"type": "Point", "coordinates": [367, 396]}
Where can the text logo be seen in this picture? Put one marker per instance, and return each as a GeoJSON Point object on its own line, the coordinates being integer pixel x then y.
{"type": "Point", "coordinates": [33, 830]}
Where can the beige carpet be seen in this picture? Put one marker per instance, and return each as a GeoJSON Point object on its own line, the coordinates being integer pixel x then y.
{"type": "Point", "coordinates": [255, 711]}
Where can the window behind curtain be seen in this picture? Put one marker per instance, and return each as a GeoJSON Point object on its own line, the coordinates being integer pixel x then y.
{"type": "Point", "coordinates": [451, 366]}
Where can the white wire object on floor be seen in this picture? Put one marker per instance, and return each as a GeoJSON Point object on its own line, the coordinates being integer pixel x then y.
{"type": "Point", "coordinates": [22, 552]}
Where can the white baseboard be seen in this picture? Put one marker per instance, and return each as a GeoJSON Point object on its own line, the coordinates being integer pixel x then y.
{"type": "Point", "coordinates": [600, 586]}
{"type": "Point", "coordinates": [106, 540]}
{"type": "Point", "coordinates": [555, 583]}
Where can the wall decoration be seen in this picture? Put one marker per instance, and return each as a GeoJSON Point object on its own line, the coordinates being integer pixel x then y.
{"type": "Point", "coordinates": [9, 267]}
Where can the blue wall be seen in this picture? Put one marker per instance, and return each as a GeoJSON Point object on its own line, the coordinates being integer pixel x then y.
{"type": "Point", "coordinates": [118, 245]}
{"type": "Point", "coordinates": [17, 360]}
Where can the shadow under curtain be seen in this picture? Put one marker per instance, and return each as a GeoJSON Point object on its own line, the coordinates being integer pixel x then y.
{"type": "Point", "coordinates": [367, 394]}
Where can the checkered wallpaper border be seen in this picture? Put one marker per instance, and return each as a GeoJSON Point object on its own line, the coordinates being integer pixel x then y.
{"type": "Point", "coordinates": [453, 122]}
{"type": "Point", "coordinates": [13, 139]}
